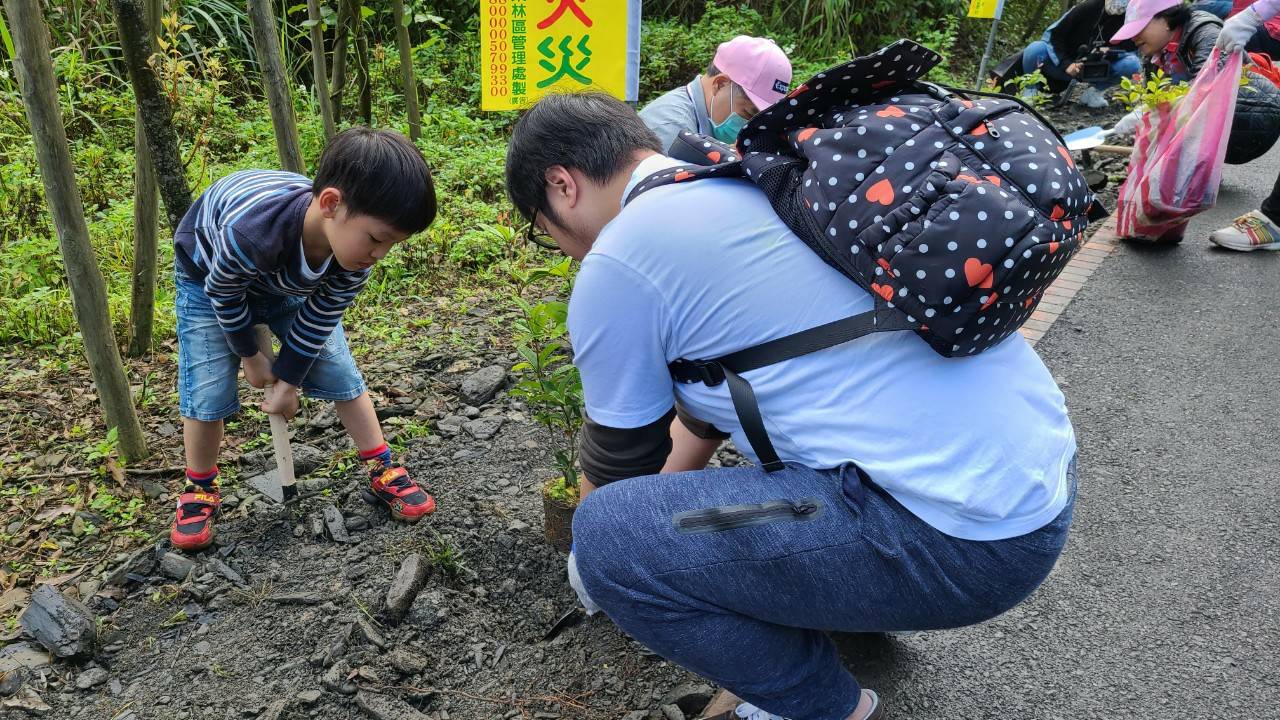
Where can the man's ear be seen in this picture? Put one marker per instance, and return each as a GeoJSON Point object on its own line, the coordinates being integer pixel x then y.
{"type": "Point", "coordinates": [562, 187]}
{"type": "Point", "coordinates": [719, 82]}
{"type": "Point", "coordinates": [329, 199]}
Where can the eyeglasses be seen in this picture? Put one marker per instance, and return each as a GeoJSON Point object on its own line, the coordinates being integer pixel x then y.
{"type": "Point", "coordinates": [538, 236]}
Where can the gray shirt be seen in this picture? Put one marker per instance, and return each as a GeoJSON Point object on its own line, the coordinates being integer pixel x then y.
{"type": "Point", "coordinates": [684, 108]}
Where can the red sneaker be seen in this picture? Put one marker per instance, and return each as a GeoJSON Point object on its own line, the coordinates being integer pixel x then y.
{"type": "Point", "coordinates": [390, 486]}
{"type": "Point", "coordinates": [193, 527]}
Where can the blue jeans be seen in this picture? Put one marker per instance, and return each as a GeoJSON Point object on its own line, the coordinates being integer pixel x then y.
{"type": "Point", "coordinates": [737, 575]}
{"type": "Point", "coordinates": [1040, 55]}
{"type": "Point", "coordinates": [208, 367]}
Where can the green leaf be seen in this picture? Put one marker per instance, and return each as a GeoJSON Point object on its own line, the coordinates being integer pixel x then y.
{"type": "Point", "coordinates": [300, 7]}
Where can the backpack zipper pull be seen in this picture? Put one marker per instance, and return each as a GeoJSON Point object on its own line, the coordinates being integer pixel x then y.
{"type": "Point", "coordinates": [991, 130]}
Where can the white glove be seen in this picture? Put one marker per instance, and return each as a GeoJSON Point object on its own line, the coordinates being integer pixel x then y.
{"type": "Point", "coordinates": [575, 581]}
{"type": "Point", "coordinates": [1238, 30]}
{"type": "Point", "coordinates": [1127, 124]}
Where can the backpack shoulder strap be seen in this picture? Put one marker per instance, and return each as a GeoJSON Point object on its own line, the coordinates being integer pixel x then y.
{"type": "Point", "coordinates": [684, 173]}
{"type": "Point", "coordinates": [729, 368]}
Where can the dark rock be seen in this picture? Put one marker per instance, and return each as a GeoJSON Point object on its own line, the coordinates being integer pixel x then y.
{"type": "Point", "coordinates": [27, 699]}
{"type": "Point", "coordinates": [11, 680]}
{"type": "Point", "coordinates": [404, 588]}
{"type": "Point", "coordinates": [176, 566]}
{"type": "Point", "coordinates": [450, 424]}
{"type": "Point", "coordinates": [672, 712]}
{"type": "Point", "coordinates": [690, 697]}
{"type": "Point", "coordinates": [306, 459]}
{"type": "Point", "coordinates": [225, 571]}
{"type": "Point", "coordinates": [275, 710]}
{"type": "Point", "coordinates": [407, 662]}
{"type": "Point", "coordinates": [153, 490]}
{"type": "Point", "coordinates": [480, 386]}
{"type": "Point", "coordinates": [25, 655]}
{"type": "Point", "coordinates": [386, 707]}
{"type": "Point", "coordinates": [336, 524]}
{"type": "Point", "coordinates": [483, 428]}
{"type": "Point", "coordinates": [370, 633]}
{"type": "Point", "coordinates": [62, 624]}
{"type": "Point", "coordinates": [335, 679]}
{"type": "Point", "coordinates": [91, 678]}
{"type": "Point", "coordinates": [356, 523]}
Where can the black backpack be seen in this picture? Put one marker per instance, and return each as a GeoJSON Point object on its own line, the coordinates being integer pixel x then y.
{"type": "Point", "coordinates": [955, 214]}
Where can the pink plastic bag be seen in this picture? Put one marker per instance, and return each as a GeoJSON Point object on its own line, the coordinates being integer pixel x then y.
{"type": "Point", "coordinates": [1177, 160]}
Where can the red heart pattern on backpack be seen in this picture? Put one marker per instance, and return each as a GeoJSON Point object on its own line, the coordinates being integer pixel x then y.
{"type": "Point", "coordinates": [881, 192]}
{"type": "Point", "coordinates": [883, 291]}
{"type": "Point", "coordinates": [977, 273]}
{"type": "Point", "coordinates": [892, 111]}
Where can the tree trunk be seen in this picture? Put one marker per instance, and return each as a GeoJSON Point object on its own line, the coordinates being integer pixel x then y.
{"type": "Point", "coordinates": [1036, 18]}
{"type": "Point", "coordinates": [267, 47]}
{"type": "Point", "coordinates": [338, 81]}
{"type": "Point", "coordinates": [88, 290]}
{"type": "Point", "coordinates": [146, 206]}
{"type": "Point", "coordinates": [153, 107]}
{"type": "Point", "coordinates": [406, 70]}
{"type": "Point", "coordinates": [362, 63]}
{"type": "Point", "coordinates": [320, 75]}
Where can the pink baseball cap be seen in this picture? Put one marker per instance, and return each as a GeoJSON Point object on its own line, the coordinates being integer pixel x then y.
{"type": "Point", "coordinates": [1138, 14]}
{"type": "Point", "coordinates": [758, 65]}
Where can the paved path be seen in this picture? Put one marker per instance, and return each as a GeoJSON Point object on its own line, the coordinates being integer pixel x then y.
{"type": "Point", "coordinates": [1166, 603]}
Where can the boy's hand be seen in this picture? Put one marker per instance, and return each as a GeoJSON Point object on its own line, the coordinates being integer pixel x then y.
{"type": "Point", "coordinates": [282, 399]}
{"type": "Point", "coordinates": [257, 370]}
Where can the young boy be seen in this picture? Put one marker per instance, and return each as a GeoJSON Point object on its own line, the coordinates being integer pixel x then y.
{"type": "Point", "coordinates": [274, 247]}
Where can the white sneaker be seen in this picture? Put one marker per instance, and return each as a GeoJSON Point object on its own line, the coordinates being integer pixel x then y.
{"type": "Point", "coordinates": [1251, 231]}
{"type": "Point", "coordinates": [1094, 98]}
{"type": "Point", "coordinates": [751, 712]}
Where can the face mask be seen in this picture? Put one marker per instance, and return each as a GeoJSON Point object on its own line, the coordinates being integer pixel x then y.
{"type": "Point", "coordinates": [727, 131]}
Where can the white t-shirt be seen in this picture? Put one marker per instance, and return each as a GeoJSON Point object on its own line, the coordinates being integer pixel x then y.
{"type": "Point", "coordinates": [977, 447]}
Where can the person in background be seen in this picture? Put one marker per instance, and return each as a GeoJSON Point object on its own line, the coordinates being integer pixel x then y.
{"type": "Point", "coordinates": [747, 75]}
{"type": "Point", "coordinates": [1078, 37]}
{"type": "Point", "coordinates": [1258, 229]}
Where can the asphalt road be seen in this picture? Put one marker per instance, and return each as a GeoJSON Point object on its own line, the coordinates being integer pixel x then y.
{"type": "Point", "coordinates": [1166, 603]}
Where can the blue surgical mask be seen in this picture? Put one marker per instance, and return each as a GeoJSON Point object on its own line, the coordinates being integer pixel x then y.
{"type": "Point", "coordinates": [727, 130]}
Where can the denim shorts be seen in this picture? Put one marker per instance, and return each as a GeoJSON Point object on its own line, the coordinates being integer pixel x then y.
{"type": "Point", "coordinates": [208, 368]}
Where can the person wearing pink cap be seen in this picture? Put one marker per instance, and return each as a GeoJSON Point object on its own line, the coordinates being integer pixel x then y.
{"type": "Point", "coordinates": [747, 75]}
{"type": "Point", "coordinates": [1179, 40]}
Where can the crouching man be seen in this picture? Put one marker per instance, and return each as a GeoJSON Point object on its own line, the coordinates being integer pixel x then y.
{"type": "Point", "coordinates": [918, 492]}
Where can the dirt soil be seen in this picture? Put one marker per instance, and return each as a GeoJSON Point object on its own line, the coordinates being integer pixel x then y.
{"type": "Point", "coordinates": [280, 621]}
{"type": "Point", "coordinates": [285, 617]}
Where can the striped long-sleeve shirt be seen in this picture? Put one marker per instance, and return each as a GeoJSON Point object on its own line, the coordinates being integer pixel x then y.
{"type": "Point", "coordinates": [244, 235]}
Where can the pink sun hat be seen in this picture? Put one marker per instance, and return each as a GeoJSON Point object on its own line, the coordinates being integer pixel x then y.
{"type": "Point", "coordinates": [758, 65]}
{"type": "Point", "coordinates": [1138, 14]}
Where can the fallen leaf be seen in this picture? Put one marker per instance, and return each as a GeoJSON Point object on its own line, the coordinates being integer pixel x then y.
{"type": "Point", "coordinates": [53, 512]}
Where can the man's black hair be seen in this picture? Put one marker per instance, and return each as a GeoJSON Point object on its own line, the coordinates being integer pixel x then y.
{"type": "Point", "coordinates": [590, 132]}
{"type": "Point", "coordinates": [380, 173]}
{"type": "Point", "coordinates": [1176, 16]}
{"type": "Point", "coordinates": [712, 70]}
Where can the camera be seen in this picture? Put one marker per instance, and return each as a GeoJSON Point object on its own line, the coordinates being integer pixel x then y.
{"type": "Point", "coordinates": [1095, 62]}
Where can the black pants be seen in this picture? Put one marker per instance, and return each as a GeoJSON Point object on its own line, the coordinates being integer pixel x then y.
{"type": "Point", "coordinates": [1271, 206]}
{"type": "Point", "coordinates": [1263, 42]}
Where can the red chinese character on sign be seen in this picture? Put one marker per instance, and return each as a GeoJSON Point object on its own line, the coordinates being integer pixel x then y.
{"type": "Point", "coordinates": [570, 5]}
